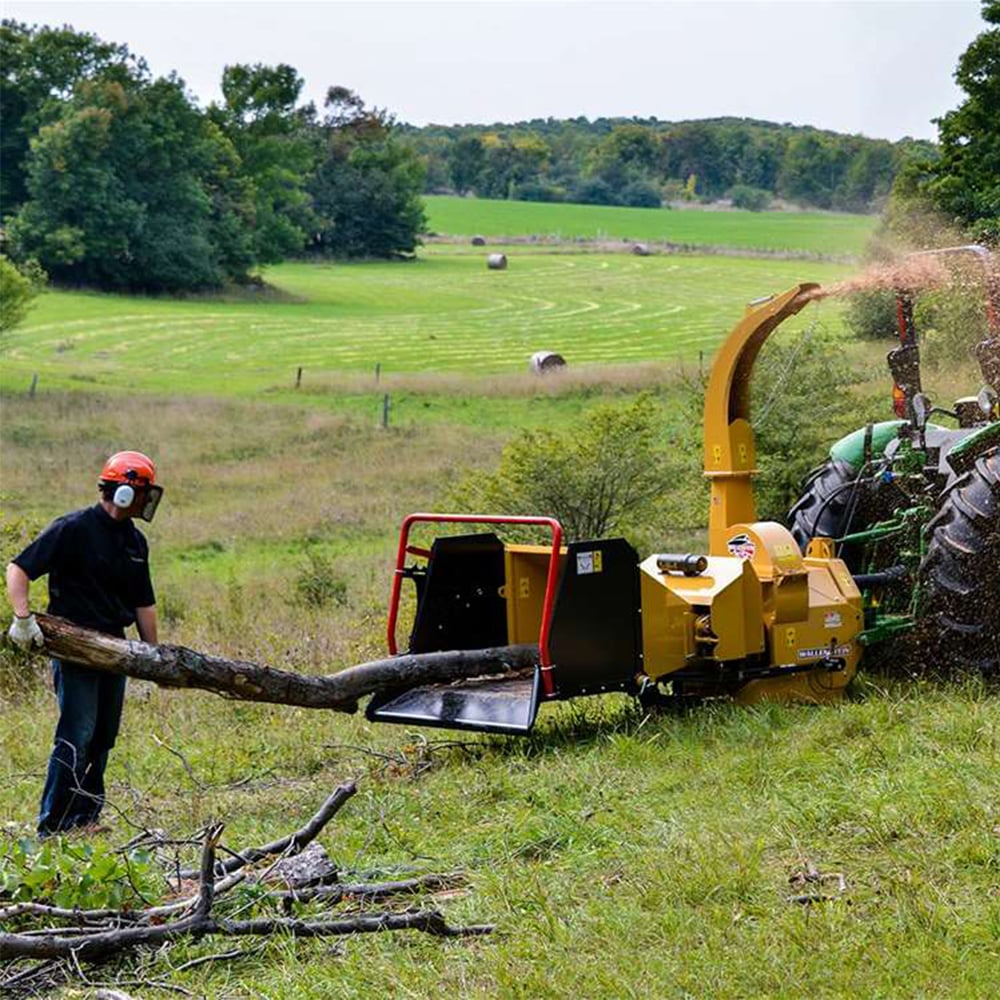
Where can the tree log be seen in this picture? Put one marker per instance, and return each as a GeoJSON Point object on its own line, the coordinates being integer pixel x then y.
{"type": "Point", "coordinates": [180, 667]}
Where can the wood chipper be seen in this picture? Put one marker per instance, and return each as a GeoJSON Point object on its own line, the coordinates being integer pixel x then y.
{"type": "Point", "coordinates": [767, 612]}
{"type": "Point", "coordinates": [753, 618]}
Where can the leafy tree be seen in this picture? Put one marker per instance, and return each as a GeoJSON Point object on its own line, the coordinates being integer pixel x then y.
{"type": "Point", "coordinates": [628, 157]}
{"type": "Point", "coordinates": [132, 189]}
{"type": "Point", "coordinates": [275, 141]}
{"type": "Point", "coordinates": [466, 159]}
{"type": "Point", "coordinates": [868, 177]}
{"type": "Point", "coordinates": [18, 289]}
{"type": "Point", "coordinates": [40, 68]}
{"type": "Point", "coordinates": [811, 170]}
{"type": "Point", "coordinates": [509, 162]}
{"type": "Point", "coordinates": [965, 183]}
{"type": "Point", "coordinates": [692, 149]}
{"type": "Point", "coordinates": [366, 192]}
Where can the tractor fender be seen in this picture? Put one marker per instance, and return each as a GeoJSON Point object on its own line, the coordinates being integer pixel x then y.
{"type": "Point", "coordinates": [851, 447]}
{"type": "Point", "coordinates": [963, 455]}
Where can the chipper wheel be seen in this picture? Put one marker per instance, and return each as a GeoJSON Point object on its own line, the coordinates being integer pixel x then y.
{"type": "Point", "coordinates": [961, 572]}
{"type": "Point", "coordinates": [831, 504]}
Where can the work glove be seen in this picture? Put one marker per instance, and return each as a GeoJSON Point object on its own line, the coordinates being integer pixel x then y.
{"type": "Point", "coordinates": [24, 632]}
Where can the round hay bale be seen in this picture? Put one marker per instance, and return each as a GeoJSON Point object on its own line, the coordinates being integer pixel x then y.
{"type": "Point", "coordinates": [497, 262]}
{"type": "Point", "coordinates": [640, 249]}
{"type": "Point", "coordinates": [546, 362]}
{"type": "Point", "coordinates": [479, 241]}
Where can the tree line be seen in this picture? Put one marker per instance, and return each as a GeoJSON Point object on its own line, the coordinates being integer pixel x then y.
{"type": "Point", "coordinates": [114, 179]}
{"type": "Point", "coordinates": [647, 162]}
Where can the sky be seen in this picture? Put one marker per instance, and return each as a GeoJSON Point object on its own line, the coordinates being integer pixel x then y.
{"type": "Point", "coordinates": [882, 68]}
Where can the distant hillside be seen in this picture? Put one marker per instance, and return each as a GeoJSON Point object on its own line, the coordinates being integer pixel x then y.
{"type": "Point", "coordinates": [644, 162]}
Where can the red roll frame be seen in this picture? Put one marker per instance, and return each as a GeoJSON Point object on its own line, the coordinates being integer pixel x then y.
{"type": "Point", "coordinates": [552, 579]}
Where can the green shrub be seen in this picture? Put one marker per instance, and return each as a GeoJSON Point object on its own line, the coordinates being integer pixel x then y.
{"type": "Point", "coordinates": [802, 402]}
{"type": "Point", "coordinates": [318, 583]}
{"type": "Point", "coordinates": [750, 198]}
{"type": "Point", "coordinates": [18, 289]}
{"type": "Point", "coordinates": [538, 191]}
{"type": "Point", "coordinates": [70, 874]}
{"type": "Point", "coordinates": [607, 473]}
{"type": "Point", "coordinates": [640, 194]}
{"type": "Point", "coordinates": [871, 315]}
{"type": "Point", "coordinates": [951, 322]}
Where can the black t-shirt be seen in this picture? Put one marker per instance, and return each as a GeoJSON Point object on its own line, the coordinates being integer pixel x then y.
{"type": "Point", "coordinates": [98, 569]}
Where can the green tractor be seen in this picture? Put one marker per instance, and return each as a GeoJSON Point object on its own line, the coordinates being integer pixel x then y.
{"type": "Point", "coordinates": [913, 506]}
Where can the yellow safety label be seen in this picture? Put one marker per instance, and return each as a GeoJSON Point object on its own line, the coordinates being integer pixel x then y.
{"type": "Point", "coordinates": [717, 453]}
{"type": "Point", "coordinates": [524, 587]}
{"type": "Point", "coordinates": [790, 638]}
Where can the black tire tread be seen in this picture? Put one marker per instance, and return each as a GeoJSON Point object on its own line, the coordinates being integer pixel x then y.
{"type": "Point", "coordinates": [961, 572]}
{"type": "Point", "coordinates": [824, 505]}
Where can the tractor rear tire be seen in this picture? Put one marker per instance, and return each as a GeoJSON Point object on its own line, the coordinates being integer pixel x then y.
{"type": "Point", "coordinates": [823, 509]}
{"type": "Point", "coordinates": [961, 573]}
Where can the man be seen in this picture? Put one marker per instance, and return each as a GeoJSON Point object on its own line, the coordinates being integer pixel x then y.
{"type": "Point", "coordinates": [98, 567]}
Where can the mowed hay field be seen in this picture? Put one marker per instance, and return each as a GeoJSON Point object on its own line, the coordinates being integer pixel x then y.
{"type": "Point", "coordinates": [620, 855]}
{"type": "Point", "coordinates": [444, 312]}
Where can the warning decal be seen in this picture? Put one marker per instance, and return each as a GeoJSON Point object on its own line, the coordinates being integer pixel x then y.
{"type": "Point", "coordinates": [588, 562]}
{"type": "Point", "coordinates": [741, 546]}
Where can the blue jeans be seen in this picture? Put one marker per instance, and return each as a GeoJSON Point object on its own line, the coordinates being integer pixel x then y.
{"type": "Point", "coordinates": [90, 710]}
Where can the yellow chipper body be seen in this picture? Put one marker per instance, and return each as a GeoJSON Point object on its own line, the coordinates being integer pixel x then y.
{"type": "Point", "coordinates": [753, 619]}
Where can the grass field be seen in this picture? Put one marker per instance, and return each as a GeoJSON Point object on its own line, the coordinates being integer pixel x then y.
{"type": "Point", "coordinates": [821, 233]}
{"type": "Point", "coordinates": [620, 855]}
{"type": "Point", "coordinates": [442, 313]}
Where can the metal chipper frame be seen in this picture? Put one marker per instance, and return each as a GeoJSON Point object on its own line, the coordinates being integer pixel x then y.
{"type": "Point", "coordinates": [753, 619]}
{"type": "Point", "coordinates": [476, 592]}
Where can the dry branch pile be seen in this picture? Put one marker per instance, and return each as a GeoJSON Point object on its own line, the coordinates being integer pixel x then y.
{"type": "Point", "coordinates": [49, 935]}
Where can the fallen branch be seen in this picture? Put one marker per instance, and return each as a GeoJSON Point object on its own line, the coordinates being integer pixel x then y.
{"type": "Point", "coordinates": [294, 841]}
{"type": "Point", "coordinates": [97, 935]}
{"type": "Point", "coordinates": [180, 667]}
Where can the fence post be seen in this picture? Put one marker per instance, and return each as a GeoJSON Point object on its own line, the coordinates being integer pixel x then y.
{"type": "Point", "coordinates": [378, 371]}
{"type": "Point", "coordinates": [385, 410]}
{"type": "Point", "coordinates": [34, 385]}
{"type": "Point", "coordinates": [298, 378]}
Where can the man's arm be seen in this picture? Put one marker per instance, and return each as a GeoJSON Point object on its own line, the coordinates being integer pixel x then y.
{"type": "Point", "coordinates": [145, 623]}
{"type": "Point", "coordinates": [17, 590]}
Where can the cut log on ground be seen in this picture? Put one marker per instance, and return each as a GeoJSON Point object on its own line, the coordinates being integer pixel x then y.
{"type": "Point", "coordinates": [180, 667]}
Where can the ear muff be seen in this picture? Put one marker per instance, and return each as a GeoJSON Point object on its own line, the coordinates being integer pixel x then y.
{"type": "Point", "coordinates": [124, 496]}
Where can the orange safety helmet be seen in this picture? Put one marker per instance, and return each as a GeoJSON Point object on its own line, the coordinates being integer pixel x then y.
{"type": "Point", "coordinates": [129, 467]}
{"type": "Point", "coordinates": [132, 471]}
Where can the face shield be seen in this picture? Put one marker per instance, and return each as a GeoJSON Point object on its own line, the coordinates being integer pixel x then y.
{"type": "Point", "coordinates": [150, 501]}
